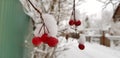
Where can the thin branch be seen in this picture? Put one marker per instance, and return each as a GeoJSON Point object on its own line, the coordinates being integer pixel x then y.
{"type": "Point", "coordinates": [59, 2]}
{"type": "Point", "coordinates": [41, 28]}
{"type": "Point", "coordinates": [74, 10]}
{"type": "Point", "coordinates": [36, 10]}
{"type": "Point", "coordinates": [40, 16]}
{"type": "Point", "coordinates": [65, 49]}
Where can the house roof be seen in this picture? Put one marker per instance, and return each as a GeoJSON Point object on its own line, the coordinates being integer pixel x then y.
{"type": "Point", "coordinates": [117, 12]}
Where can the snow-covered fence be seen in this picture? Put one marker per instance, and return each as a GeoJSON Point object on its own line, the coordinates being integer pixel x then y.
{"type": "Point", "coordinates": [114, 40]}
{"type": "Point", "coordinates": [106, 40]}
{"type": "Point", "coordinates": [89, 37]}
{"type": "Point", "coordinates": [100, 39]}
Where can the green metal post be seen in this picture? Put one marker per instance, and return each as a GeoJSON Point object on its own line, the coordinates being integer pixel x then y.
{"type": "Point", "coordinates": [13, 27]}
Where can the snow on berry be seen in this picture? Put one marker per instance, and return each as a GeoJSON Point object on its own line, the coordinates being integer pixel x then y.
{"type": "Point", "coordinates": [51, 24]}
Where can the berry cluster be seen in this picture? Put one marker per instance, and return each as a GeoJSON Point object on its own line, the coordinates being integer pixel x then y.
{"type": "Point", "coordinates": [74, 22]}
{"type": "Point", "coordinates": [51, 41]}
{"type": "Point", "coordinates": [77, 23]}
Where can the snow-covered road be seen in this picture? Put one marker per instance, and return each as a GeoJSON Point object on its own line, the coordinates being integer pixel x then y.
{"type": "Point", "coordinates": [92, 50]}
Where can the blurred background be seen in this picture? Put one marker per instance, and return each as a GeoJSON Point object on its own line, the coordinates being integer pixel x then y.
{"type": "Point", "coordinates": [100, 27]}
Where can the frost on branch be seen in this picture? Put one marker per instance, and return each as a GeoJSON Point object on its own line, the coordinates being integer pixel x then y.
{"type": "Point", "coordinates": [50, 24]}
{"type": "Point", "coordinates": [42, 12]}
{"type": "Point", "coordinates": [44, 23]}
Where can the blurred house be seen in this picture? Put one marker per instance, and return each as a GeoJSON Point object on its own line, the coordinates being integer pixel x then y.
{"type": "Point", "coordinates": [116, 15]}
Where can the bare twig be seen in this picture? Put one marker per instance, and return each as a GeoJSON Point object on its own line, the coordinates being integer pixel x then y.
{"type": "Point", "coordinates": [36, 9]}
{"type": "Point", "coordinates": [40, 16]}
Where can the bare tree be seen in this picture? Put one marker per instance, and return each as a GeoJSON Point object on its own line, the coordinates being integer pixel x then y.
{"type": "Point", "coordinates": [107, 2]}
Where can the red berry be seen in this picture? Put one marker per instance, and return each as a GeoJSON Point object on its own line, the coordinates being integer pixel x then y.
{"type": "Point", "coordinates": [77, 23]}
{"type": "Point", "coordinates": [52, 42]}
{"type": "Point", "coordinates": [44, 37]}
{"type": "Point", "coordinates": [71, 22]}
{"type": "Point", "coordinates": [81, 46]}
{"type": "Point", "coordinates": [36, 41]}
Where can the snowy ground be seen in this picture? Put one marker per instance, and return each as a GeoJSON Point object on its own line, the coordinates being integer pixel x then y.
{"type": "Point", "coordinates": [92, 50]}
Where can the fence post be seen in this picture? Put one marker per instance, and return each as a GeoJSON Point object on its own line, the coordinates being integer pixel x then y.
{"type": "Point", "coordinates": [104, 41]}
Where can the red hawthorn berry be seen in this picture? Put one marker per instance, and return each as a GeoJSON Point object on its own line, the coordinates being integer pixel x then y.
{"type": "Point", "coordinates": [77, 22]}
{"type": "Point", "coordinates": [44, 37]}
{"type": "Point", "coordinates": [52, 41]}
{"type": "Point", "coordinates": [71, 22]}
{"type": "Point", "coordinates": [36, 41]}
{"type": "Point", "coordinates": [81, 46]}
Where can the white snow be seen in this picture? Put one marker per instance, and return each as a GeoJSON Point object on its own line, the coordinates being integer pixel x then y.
{"type": "Point", "coordinates": [81, 39]}
{"type": "Point", "coordinates": [92, 50]}
{"type": "Point", "coordinates": [50, 23]}
{"type": "Point", "coordinates": [115, 28]}
{"type": "Point", "coordinates": [96, 18]}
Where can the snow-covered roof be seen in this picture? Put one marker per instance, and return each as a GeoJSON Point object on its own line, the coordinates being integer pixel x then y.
{"type": "Point", "coordinates": [116, 13]}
